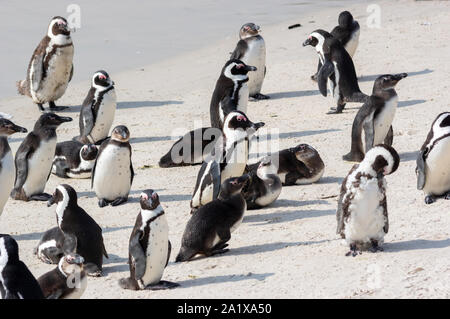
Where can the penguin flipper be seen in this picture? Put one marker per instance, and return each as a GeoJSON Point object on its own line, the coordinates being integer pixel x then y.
{"type": "Point", "coordinates": [100, 150]}
{"type": "Point", "coordinates": [138, 256]}
{"type": "Point", "coordinates": [169, 250]}
{"type": "Point", "coordinates": [37, 65]}
{"type": "Point", "coordinates": [71, 73]}
{"type": "Point", "coordinates": [131, 167]}
{"type": "Point", "coordinates": [25, 151]}
{"type": "Point", "coordinates": [420, 169]}
{"type": "Point", "coordinates": [369, 131]}
{"type": "Point", "coordinates": [86, 120]}
{"type": "Point", "coordinates": [215, 177]}
{"type": "Point", "coordinates": [239, 51]}
{"type": "Point", "coordinates": [340, 214]}
{"type": "Point", "coordinates": [326, 70]}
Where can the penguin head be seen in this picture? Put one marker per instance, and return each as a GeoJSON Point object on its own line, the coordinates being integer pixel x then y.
{"type": "Point", "coordinates": [233, 186]}
{"type": "Point", "coordinates": [149, 199]}
{"type": "Point", "coordinates": [303, 152]}
{"type": "Point", "coordinates": [58, 27]}
{"type": "Point", "coordinates": [388, 81]}
{"type": "Point", "coordinates": [249, 30]}
{"type": "Point", "coordinates": [382, 158]}
{"type": "Point", "coordinates": [266, 167]}
{"type": "Point", "coordinates": [101, 80]}
{"type": "Point", "coordinates": [121, 134]}
{"type": "Point", "coordinates": [9, 250]}
{"type": "Point", "coordinates": [317, 38]}
{"type": "Point", "coordinates": [345, 19]}
{"type": "Point", "coordinates": [63, 196]}
{"type": "Point", "coordinates": [71, 263]}
{"type": "Point", "coordinates": [89, 152]}
{"type": "Point", "coordinates": [237, 126]}
{"type": "Point", "coordinates": [7, 128]}
{"type": "Point", "coordinates": [235, 69]}
{"type": "Point", "coordinates": [51, 120]}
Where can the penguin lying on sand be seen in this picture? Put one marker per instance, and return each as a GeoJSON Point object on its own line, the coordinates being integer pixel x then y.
{"type": "Point", "coordinates": [74, 160]}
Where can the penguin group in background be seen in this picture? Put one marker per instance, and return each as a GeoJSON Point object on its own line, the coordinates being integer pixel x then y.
{"type": "Point", "coordinates": [113, 172]}
{"type": "Point", "coordinates": [7, 169]}
{"type": "Point", "coordinates": [375, 117]}
{"type": "Point", "coordinates": [149, 247]}
{"type": "Point", "coordinates": [74, 159]}
{"type": "Point", "coordinates": [34, 159]}
{"type": "Point", "coordinates": [433, 161]}
{"type": "Point", "coordinates": [251, 49]}
{"type": "Point", "coordinates": [228, 158]}
{"type": "Point", "coordinates": [16, 280]}
{"type": "Point", "coordinates": [50, 247]}
{"type": "Point", "coordinates": [51, 68]}
{"type": "Point", "coordinates": [98, 109]}
{"type": "Point", "coordinates": [209, 228]}
{"type": "Point", "coordinates": [82, 235]}
{"type": "Point", "coordinates": [337, 70]}
{"type": "Point", "coordinates": [264, 185]}
{"type": "Point", "coordinates": [362, 216]}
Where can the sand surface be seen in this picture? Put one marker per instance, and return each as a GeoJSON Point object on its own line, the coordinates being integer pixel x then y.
{"type": "Point", "coordinates": [290, 249]}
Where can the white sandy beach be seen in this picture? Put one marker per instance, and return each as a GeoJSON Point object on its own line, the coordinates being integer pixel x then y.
{"type": "Point", "coordinates": [288, 250]}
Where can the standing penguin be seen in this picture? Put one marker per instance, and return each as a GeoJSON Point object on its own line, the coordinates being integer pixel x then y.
{"type": "Point", "coordinates": [149, 247]}
{"type": "Point", "coordinates": [98, 109]}
{"type": "Point", "coordinates": [228, 158]}
{"type": "Point", "coordinates": [209, 228]}
{"type": "Point", "coordinates": [6, 159]}
{"type": "Point", "coordinates": [251, 49]}
{"type": "Point", "coordinates": [82, 235]}
{"type": "Point", "coordinates": [231, 91]}
{"type": "Point", "coordinates": [67, 281]}
{"type": "Point", "coordinates": [51, 68]}
{"type": "Point", "coordinates": [74, 160]}
{"type": "Point", "coordinates": [337, 69]}
{"type": "Point", "coordinates": [16, 280]}
{"type": "Point", "coordinates": [375, 117]}
{"type": "Point", "coordinates": [433, 169]}
{"type": "Point", "coordinates": [362, 217]}
{"type": "Point", "coordinates": [34, 159]}
{"type": "Point", "coordinates": [113, 173]}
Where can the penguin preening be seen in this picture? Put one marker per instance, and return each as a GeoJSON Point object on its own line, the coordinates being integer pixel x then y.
{"type": "Point", "coordinates": [74, 159]}
{"type": "Point", "coordinates": [51, 68]}
{"type": "Point", "coordinates": [337, 70]}
{"type": "Point", "coordinates": [433, 168]}
{"type": "Point", "coordinates": [362, 216]}
{"type": "Point", "coordinates": [375, 117]}
{"type": "Point", "coordinates": [209, 228]}
{"type": "Point", "coordinates": [34, 158]}
{"type": "Point", "coordinates": [149, 247]}
{"type": "Point", "coordinates": [98, 109]}
{"type": "Point", "coordinates": [50, 247]}
{"type": "Point", "coordinates": [251, 49]}
{"type": "Point", "coordinates": [7, 169]}
{"type": "Point", "coordinates": [16, 280]}
{"type": "Point", "coordinates": [82, 235]}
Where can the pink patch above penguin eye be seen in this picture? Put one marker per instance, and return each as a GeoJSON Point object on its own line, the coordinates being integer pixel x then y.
{"type": "Point", "coordinates": [234, 182]}
{"type": "Point", "coordinates": [144, 196]}
{"type": "Point", "coordinates": [154, 195]}
{"type": "Point", "coordinates": [241, 118]}
{"type": "Point", "coordinates": [102, 77]}
{"type": "Point", "coordinates": [239, 66]}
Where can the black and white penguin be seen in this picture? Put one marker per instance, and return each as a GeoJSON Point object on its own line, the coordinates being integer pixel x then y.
{"type": "Point", "coordinates": [149, 247]}
{"type": "Point", "coordinates": [74, 159]}
{"type": "Point", "coordinates": [231, 91]}
{"type": "Point", "coordinates": [7, 168]}
{"type": "Point", "coordinates": [362, 217]}
{"type": "Point", "coordinates": [433, 169]}
{"type": "Point", "coordinates": [16, 280]}
{"type": "Point", "coordinates": [98, 109]}
{"type": "Point", "coordinates": [264, 185]}
{"type": "Point", "coordinates": [34, 159]}
{"type": "Point", "coordinates": [82, 235]}
{"type": "Point", "coordinates": [50, 247]}
{"type": "Point", "coordinates": [251, 49]}
{"type": "Point", "coordinates": [113, 173]}
{"type": "Point", "coordinates": [375, 117]}
{"type": "Point", "coordinates": [337, 70]}
{"type": "Point", "coordinates": [51, 68]}
{"type": "Point", "coordinates": [228, 158]}
{"type": "Point", "coordinates": [209, 228]}
{"type": "Point", "coordinates": [67, 281]}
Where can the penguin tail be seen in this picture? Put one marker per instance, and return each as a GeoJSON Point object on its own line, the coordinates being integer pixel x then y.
{"type": "Point", "coordinates": [104, 252]}
{"type": "Point", "coordinates": [22, 87]}
{"type": "Point", "coordinates": [128, 283]}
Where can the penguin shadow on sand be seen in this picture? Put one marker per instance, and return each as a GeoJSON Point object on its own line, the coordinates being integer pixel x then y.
{"type": "Point", "coordinates": [330, 180]}
{"type": "Point", "coordinates": [29, 236]}
{"type": "Point", "coordinates": [281, 216]}
{"type": "Point", "coordinates": [415, 244]}
{"type": "Point", "coordinates": [127, 105]}
{"type": "Point", "coordinates": [371, 78]}
{"type": "Point", "coordinates": [297, 134]}
{"type": "Point", "coordinates": [114, 264]}
{"type": "Point", "coordinates": [221, 279]}
{"type": "Point", "coordinates": [408, 156]}
{"type": "Point", "coordinates": [292, 94]}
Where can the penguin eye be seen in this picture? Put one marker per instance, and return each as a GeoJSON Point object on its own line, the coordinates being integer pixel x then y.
{"type": "Point", "coordinates": [241, 118]}
{"type": "Point", "coordinates": [239, 66]}
{"type": "Point", "coordinates": [234, 182]}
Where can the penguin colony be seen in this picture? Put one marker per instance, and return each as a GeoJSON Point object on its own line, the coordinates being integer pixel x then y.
{"type": "Point", "coordinates": [225, 188]}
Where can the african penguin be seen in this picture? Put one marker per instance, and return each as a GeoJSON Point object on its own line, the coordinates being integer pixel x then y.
{"type": "Point", "coordinates": [149, 247]}
{"type": "Point", "coordinates": [433, 161]}
{"type": "Point", "coordinates": [375, 117]}
{"type": "Point", "coordinates": [209, 228]}
{"type": "Point", "coordinates": [337, 69]}
{"type": "Point", "coordinates": [82, 235]}
{"type": "Point", "coordinates": [98, 109]}
{"type": "Point", "coordinates": [34, 159]}
{"type": "Point", "coordinates": [231, 91]}
{"type": "Point", "coordinates": [74, 159]}
{"type": "Point", "coordinates": [7, 168]}
{"type": "Point", "coordinates": [228, 158]}
{"type": "Point", "coordinates": [362, 217]}
{"type": "Point", "coordinates": [50, 247]}
{"type": "Point", "coordinates": [251, 49]}
{"type": "Point", "coordinates": [51, 68]}
{"type": "Point", "coordinates": [16, 280]}
{"type": "Point", "coordinates": [113, 173]}
{"type": "Point", "coordinates": [67, 281]}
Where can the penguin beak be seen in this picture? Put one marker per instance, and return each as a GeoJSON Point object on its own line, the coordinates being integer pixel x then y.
{"type": "Point", "coordinates": [243, 179]}
{"type": "Point", "coordinates": [51, 201]}
{"type": "Point", "coordinates": [257, 126]}
{"type": "Point", "coordinates": [124, 135]}
{"type": "Point", "coordinates": [19, 129]}
{"type": "Point", "coordinates": [307, 42]}
{"type": "Point", "coordinates": [400, 76]}
{"type": "Point", "coordinates": [250, 68]}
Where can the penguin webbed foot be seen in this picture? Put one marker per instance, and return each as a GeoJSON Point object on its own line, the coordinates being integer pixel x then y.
{"type": "Point", "coordinates": [314, 77]}
{"type": "Point", "coordinates": [40, 107]}
{"type": "Point", "coordinates": [102, 203]}
{"type": "Point", "coordinates": [447, 196]}
{"type": "Point", "coordinates": [55, 108]}
{"type": "Point", "coordinates": [119, 201]}
{"type": "Point", "coordinates": [429, 199]}
{"type": "Point", "coordinates": [163, 284]}
{"type": "Point", "coordinates": [41, 197]}
{"type": "Point", "coordinates": [353, 251]}
{"type": "Point", "coordinates": [259, 96]}
{"type": "Point", "coordinates": [92, 270]}
{"type": "Point", "coordinates": [128, 283]}
{"type": "Point", "coordinates": [375, 248]}
{"type": "Point", "coordinates": [337, 110]}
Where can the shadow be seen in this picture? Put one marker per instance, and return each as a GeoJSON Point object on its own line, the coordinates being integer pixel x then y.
{"type": "Point", "coordinates": [297, 134]}
{"type": "Point", "coordinates": [373, 77]}
{"type": "Point", "coordinates": [136, 104]}
{"type": "Point", "coordinates": [175, 198]}
{"type": "Point", "coordinates": [296, 203]}
{"type": "Point", "coordinates": [145, 139]}
{"type": "Point", "coordinates": [330, 180]}
{"type": "Point", "coordinates": [15, 140]}
{"type": "Point", "coordinates": [71, 109]}
{"type": "Point", "coordinates": [417, 244]}
{"type": "Point", "coordinates": [220, 279]}
{"type": "Point", "coordinates": [112, 229]}
{"type": "Point", "coordinates": [410, 102]}
{"type": "Point", "coordinates": [30, 236]}
{"type": "Point", "coordinates": [285, 216]}
{"type": "Point", "coordinates": [91, 194]}
{"type": "Point", "coordinates": [115, 259]}
{"type": "Point", "coordinates": [290, 94]}
{"type": "Point", "coordinates": [263, 248]}
{"type": "Point", "coordinates": [408, 156]}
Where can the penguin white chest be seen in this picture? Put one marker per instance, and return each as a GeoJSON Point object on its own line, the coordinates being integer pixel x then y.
{"type": "Point", "coordinates": [243, 98]}
{"type": "Point", "coordinates": [7, 174]}
{"type": "Point", "coordinates": [39, 167]}
{"type": "Point", "coordinates": [236, 161]}
{"type": "Point", "coordinates": [437, 169]}
{"type": "Point", "coordinates": [352, 43]}
{"type": "Point", "coordinates": [105, 116]}
{"type": "Point", "coordinates": [255, 56]}
{"type": "Point", "coordinates": [112, 173]}
{"type": "Point", "coordinates": [271, 195]}
{"type": "Point", "coordinates": [384, 119]}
